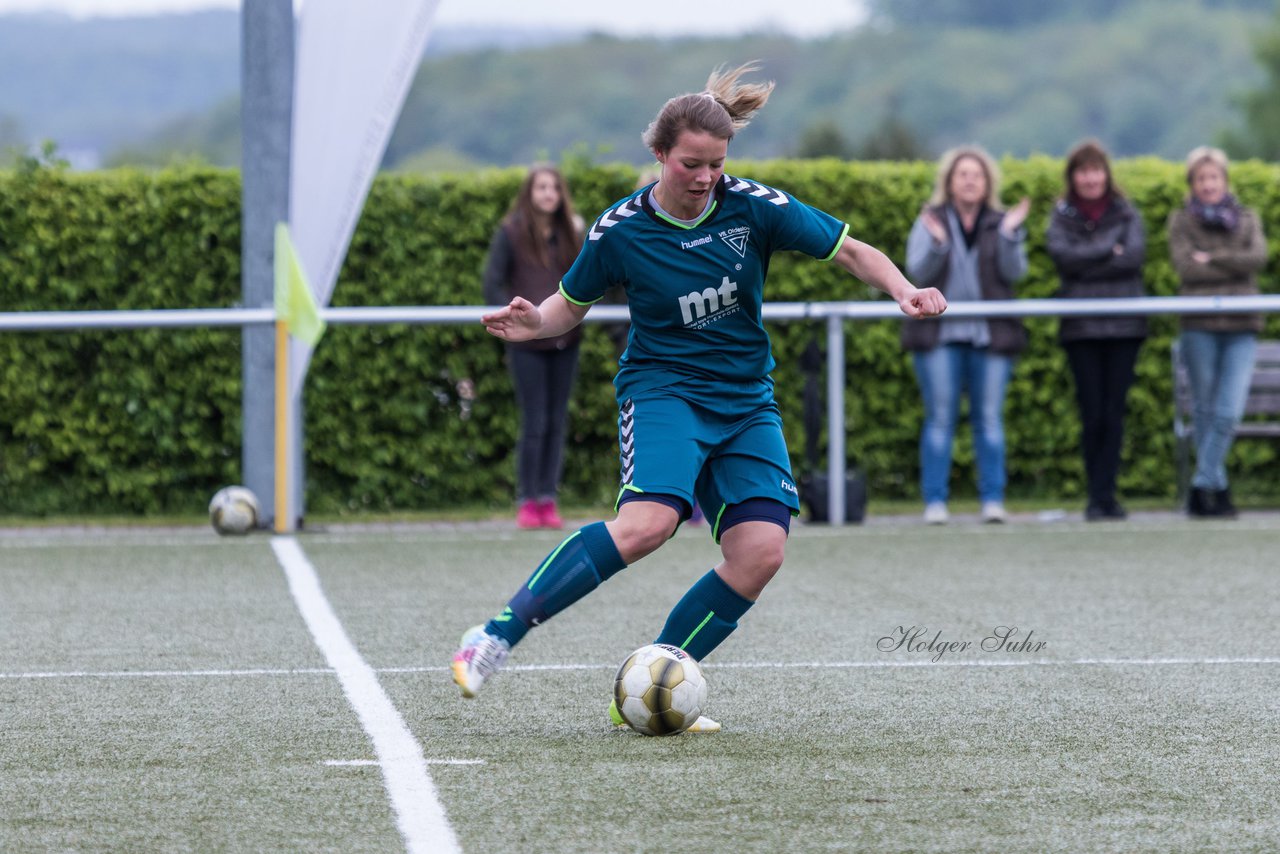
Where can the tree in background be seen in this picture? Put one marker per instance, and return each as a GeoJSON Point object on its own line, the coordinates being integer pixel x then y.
{"type": "Point", "coordinates": [823, 139]}
{"type": "Point", "coordinates": [208, 137]}
{"type": "Point", "coordinates": [1261, 135]}
{"type": "Point", "coordinates": [1118, 71]}
{"type": "Point", "coordinates": [1010, 14]}
{"type": "Point", "coordinates": [893, 139]}
{"type": "Point", "coordinates": [12, 141]}
{"type": "Point", "coordinates": [993, 14]}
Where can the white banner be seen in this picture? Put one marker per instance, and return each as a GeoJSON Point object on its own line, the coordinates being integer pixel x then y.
{"type": "Point", "coordinates": [354, 63]}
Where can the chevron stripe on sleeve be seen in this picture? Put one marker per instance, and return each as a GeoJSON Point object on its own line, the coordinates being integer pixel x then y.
{"type": "Point", "coordinates": [751, 188]}
{"type": "Point", "coordinates": [612, 217]}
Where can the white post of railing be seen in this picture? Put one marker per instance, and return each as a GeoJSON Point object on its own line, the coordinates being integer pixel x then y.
{"type": "Point", "coordinates": [835, 420]}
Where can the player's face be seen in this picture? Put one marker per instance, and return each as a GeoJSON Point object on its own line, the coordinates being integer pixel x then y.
{"type": "Point", "coordinates": [544, 192]}
{"type": "Point", "coordinates": [690, 171]}
{"type": "Point", "coordinates": [1089, 181]}
{"type": "Point", "coordinates": [1209, 183]}
{"type": "Point", "coordinates": [968, 182]}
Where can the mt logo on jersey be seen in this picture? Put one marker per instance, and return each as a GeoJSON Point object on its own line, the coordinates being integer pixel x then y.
{"type": "Point", "coordinates": [702, 308]}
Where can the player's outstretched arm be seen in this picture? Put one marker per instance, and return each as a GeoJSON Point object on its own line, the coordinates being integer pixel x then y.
{"type": "Point", "coordinates": [874, 267]}
{"type": "Point", "coordinates": [521, 320]}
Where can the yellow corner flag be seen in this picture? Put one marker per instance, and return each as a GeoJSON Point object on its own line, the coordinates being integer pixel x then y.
{"type": "Point", "coordinates": [295, 304]}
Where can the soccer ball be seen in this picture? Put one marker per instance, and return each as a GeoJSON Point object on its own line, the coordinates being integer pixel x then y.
{"type": "Point", "coordinates": [660, 690]}
{"type": "Point", "coordinates": [233, 510]}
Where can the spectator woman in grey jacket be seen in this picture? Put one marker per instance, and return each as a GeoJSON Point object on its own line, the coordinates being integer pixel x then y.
{"type": "Point", "coordinates": [1217, 248]}
{"type": "Point", "coordinates": [964, 245]}
{"type": "Point", "coordinates": [1097, 242]}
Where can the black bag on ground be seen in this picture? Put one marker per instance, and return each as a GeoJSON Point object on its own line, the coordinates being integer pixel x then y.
{"type": "Point", "coordinates": [814, 482]}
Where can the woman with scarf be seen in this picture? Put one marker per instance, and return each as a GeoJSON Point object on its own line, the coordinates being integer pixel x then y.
{"type": "Point", "coordinates": [1217, 247]}
{"type": "Point", "coordinates": [1097, 242]}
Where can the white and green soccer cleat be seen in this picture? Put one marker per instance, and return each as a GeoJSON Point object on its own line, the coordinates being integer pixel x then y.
{"type": "Point", "coordinates": [615, 716]}
{"type": "Point", "coordinates": [703, 724]}
{"type": "Point", "coordinates": [479, 657]}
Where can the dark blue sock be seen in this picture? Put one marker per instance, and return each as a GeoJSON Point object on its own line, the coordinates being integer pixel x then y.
{"type": "Point", "coordinates": [577, 566]}
{"type": "Point", "coordinates": [706, 615]}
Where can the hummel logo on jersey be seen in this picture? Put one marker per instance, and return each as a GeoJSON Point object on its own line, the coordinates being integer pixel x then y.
{"type": "Point", "coordinates": [690, 244]}
{"type": "Point", "coordinates": [737, 239]}
{"type": "Point", "coordinates": [610, 218]}
{"type": "Point", "coordinates": [702, 308]}
{"type": "Point", "coordinates": [741, 185]}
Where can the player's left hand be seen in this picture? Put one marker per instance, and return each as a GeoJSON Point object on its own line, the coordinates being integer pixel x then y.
{"type": "Point", "coordinates": [923, 302]}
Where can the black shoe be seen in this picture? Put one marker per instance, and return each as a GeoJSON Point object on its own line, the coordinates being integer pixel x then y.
{"type": "Point", "coordinates": [1222, 505]}
{"type": "Point", "coordinates": [1202, 504]}
{"type": "Point", "coordinates": [1112, 509]}
{"type": "Point", "coordinates": [1104, 510]}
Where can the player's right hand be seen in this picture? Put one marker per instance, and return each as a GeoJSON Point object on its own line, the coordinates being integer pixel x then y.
{"type": "Point", "coordinates": [519, 320]}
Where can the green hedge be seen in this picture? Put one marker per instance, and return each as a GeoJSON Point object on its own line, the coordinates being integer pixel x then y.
{"type": "Point", "coordinates": [149, 421]}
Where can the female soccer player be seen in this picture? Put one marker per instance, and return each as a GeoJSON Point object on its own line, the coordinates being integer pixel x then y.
{"type": "Point", "coordinates": [697, 417]}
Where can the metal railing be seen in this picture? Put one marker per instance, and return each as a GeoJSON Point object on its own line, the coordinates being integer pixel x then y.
{"type": "Point", "coordinates": [833, 313]}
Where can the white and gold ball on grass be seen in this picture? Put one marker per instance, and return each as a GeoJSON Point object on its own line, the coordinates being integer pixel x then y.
{"type": "Point", "coordinates": [233, 510]}
{"type": "Point", "coordinates": [660, 690]}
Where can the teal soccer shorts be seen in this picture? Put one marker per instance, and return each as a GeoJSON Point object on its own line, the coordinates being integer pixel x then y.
{"type": "Point", "coordinates": [718, 449]}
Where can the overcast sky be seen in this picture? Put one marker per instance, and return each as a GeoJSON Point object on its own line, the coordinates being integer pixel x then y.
{"type": "Point", "coordinates": [796, 17]}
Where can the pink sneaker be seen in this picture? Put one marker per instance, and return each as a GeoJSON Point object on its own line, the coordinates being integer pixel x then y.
{"type": "Point", "coordinates": [529, 516]}
{"type": "Point", "coordinates": [550, 515]}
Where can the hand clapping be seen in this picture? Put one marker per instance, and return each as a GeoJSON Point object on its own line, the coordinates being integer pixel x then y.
{"type": "Point", "coordinates": [1015, 216]}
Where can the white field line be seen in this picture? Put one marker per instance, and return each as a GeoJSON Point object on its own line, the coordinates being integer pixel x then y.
{"type": "Point", "coordinates": [362, 763]}
{"type": "Point", "coordinates": [166, 674]}
{"type": "Point", "coordinates": [725, 665]}
{"type": "Point", "coordinates": [856, 665]}
{"type": "Point", "coordinates": [419, 813]}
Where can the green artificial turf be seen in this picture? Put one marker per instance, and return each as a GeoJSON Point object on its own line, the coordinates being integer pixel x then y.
{"type": "Point", "coordinates": [159, 690]}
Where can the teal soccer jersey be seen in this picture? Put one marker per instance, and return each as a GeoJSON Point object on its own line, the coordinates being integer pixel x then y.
{"type": "Point", "coordinates": [696, 291]}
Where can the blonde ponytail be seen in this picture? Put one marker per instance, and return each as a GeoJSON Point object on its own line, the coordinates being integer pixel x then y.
{"type": "Point", "coordinates": [740, 100]}
{"type": "Point", "coordinates": [722, 109]}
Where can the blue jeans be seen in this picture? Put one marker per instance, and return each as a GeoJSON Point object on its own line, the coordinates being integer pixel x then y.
{"type": "Point", "coordinates": [1219, 369]}
{"type": "Point", "coordinates": [944, 373]}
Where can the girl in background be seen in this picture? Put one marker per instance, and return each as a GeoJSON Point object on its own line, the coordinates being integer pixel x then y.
{"type": "Point", "coordinates": [532, 249]}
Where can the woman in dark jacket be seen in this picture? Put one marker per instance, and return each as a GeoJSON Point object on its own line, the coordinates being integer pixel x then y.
{"type": "Point", "coordinates": [1097, 242]}
{"type": "Point", "coordinates": [964, 245]}
{"type": "Point", "coordinates": [534, 246]}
